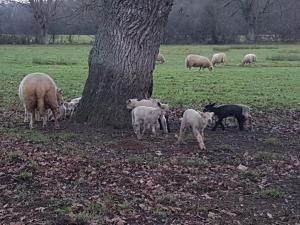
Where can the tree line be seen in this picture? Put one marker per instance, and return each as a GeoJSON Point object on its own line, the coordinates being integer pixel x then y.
{"type": "Point", "coordinates": [190, 21]}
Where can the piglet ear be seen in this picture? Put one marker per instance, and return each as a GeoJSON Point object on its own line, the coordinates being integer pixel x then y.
{"type": "Point", "coordinates": [158, 104]}
{"type": "Point", "coordinates": [213, 104]}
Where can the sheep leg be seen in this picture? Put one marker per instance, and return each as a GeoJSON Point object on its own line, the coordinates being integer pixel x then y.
{"type": "Point", "coordinates": [26, 116]}
{"type": "Point", "coordinates": [181, 133]}
{"type": "Point", "coordinates": [41, 110]}
{"type": "Point", "coordinates": [168, 125]}
{"type": "Point", "coordinates": [164, 124]}
{"type": "Point", "coordinates": [153, 127]}
{"type": "Point", "coordinates": [55, 112]}
{"type": "Point", "coordinates": [199, 138]}
{"type": "Point", "coordinates": [222, 125]}
{"type": "Point", "coordinates": [219, 122]}
{"type": "Point", "coordinates": [145, 126]}
{"type": "Point", "coordinates": [32, 119]}
{"type": "Point", "coordinates": [156, 126]}
{"type": "Point", "coordinates": [137, 130]}
{"type": "Point", "coordinates": [249, 119]}
{"type": "Point", "coordinates": [55, 119]}
{"type": "Point", "coordinates": [202, 134]}
{"type": "Point", "coordinates": [160, 123]}
{"type": "Point", "coordinates": [241, 120]}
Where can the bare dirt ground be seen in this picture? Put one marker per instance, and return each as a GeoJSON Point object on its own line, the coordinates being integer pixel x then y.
{"type": "Point", "coordinates": [83, 175]}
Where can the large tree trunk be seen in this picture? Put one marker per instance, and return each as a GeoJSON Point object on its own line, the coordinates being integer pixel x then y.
{"type": "Point", "coordinates": [122, 59]}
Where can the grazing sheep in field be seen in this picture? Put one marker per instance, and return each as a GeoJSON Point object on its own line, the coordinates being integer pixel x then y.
{"type": "Point", "coordinates": [218, 58]}
{"type": "Point", "coordinates": [160, 58]}
{"type": "Point", "coordinates": [198, 121]}
{"type": "Point", "coordinates": [198, 61]}
{"type": "Point", "coordinates": [239, 111]}
{"type": "Point", "coordinates": [146, 117]}
{"type": "Point", "coordinates": [249, 59]}
{"type": "Point", "coordinates": [163, 120]}
{"type": "Point", "coordinates": [38, 92]}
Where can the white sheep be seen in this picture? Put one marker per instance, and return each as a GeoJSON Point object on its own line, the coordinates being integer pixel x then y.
{"type": "Point", "coordinates": [38, 92]}
{"type": "Point", "coordinates": [146, 117]}
{"type": "Point", "coordinates": [133, 103]}
{"type": "Point", "coordinates": [218, 58]}
{"type": "Point", "coordinates": [198, 61]}
{"type": "Point", "coordinates": [71, 106]}
{"type": "Point", "coordinates": [62, 113]}
{"type": "Point", "coordinates": [76, 100]}
{"type": "Point", "coordinates": [160, 58]}
{"type": "Point", "coordinates": [198, 121]}
{"type": "Point", "coordinates": [249, 59]}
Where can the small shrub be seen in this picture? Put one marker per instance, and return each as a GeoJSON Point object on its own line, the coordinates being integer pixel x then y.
{"type": "Point", "coordinates": [157, 211]}
{"type": "Point", "coordinates": [124, 205]}
{"type": "Point", "coordinates": [156, 162]}
{"type": "Point", "coordinates": [225, 147]}
{"type": "Point", "coordinates": [193, 163]}
{"type": "Point", "coordinates": [32, 166]}
{"type": "Point", "coordinates": [271, 193]}
{"type": "Point", "coordinates": [63, 211]}
{"type": "Point", "coordinates": [272, 141]}
{"type": "Point", "coordinates": [167, 200]}
{"type": "Point", "coordinates": [34, 136]}
{"type": "Point", "coordinates": [101, 161]}
{"type": "Point", "coordinates": [25, 175]}
{"type": "Point", "coordinates": [16, 156]}
{"type": "Point", "coordinates": [264, 156]}
{"type": "Point", "coordinates": [250, 174]}
{"type": "Point", "coordinates": [198, 208]}
{"type": "Point", "coordinates": [97, 208]}
{"type": "Point", "coordinates": [82, 219]}
{"type": "Point", "coordinates": [136, 160]}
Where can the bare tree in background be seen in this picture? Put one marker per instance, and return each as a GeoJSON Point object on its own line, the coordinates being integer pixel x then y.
{"type": "Point", "coordinates": [122, 60]}
{"type": "Point", "coordinates": [252, 12]}
{"type": "Point", "coordinates": [44, 11]}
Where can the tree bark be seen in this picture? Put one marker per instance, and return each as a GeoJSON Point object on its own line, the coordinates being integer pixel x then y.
{"type": "Point", "coordinates": [251, 34]}
{"type": "Point", "coordinates": [44, 39]}
{"type": "Point", "coordinates": [122, 60]}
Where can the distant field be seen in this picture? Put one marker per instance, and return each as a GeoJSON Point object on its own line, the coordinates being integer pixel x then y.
{"type": "Point", "coordinates": [274, 82]}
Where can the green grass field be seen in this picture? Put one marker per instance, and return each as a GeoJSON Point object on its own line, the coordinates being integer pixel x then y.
{"type": "Point", "coordinates": [273, 83]}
